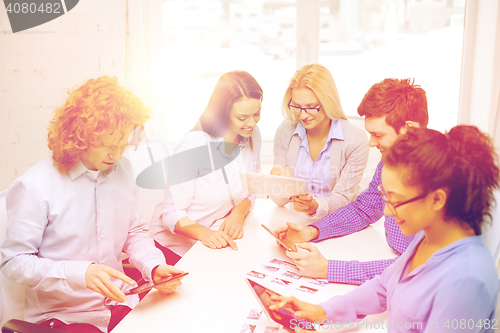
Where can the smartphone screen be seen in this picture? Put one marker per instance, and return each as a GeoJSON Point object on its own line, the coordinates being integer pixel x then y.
{"type": "Point", "coordinates": [149, 286]}
{"type": "Point", "coordinates": [290, 246]}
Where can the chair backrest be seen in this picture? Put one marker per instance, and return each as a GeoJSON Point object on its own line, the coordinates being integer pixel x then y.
{"type": "Point", "coordinates": [12, 295]}
{"type": "Point", "coordinates": [491, 231]}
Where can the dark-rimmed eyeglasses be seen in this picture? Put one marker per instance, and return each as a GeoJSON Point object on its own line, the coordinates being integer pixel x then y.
{"type": "Point", "coordinates": [297, 109]}
{"type": "Point", "coordinates": [393, 206]}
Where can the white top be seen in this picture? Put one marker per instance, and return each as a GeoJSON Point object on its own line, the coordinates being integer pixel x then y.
{"type": "Point", "coordinates": [207, 197]}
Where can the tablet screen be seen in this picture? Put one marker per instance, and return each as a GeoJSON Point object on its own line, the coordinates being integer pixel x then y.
{"type": "Point", "coordinates": [268, 185]}
{"type": "Point", "coordinates": [263, 295]}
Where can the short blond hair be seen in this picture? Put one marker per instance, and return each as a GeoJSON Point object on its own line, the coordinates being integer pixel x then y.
{"type": "Point", "coordinates": [319, 79]}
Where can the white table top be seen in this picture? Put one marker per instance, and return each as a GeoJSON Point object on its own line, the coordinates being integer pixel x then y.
{"type": "Point", "coordinates": [214, 297]}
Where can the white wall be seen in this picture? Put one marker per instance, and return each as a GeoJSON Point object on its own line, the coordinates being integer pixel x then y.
{"type": "Point", "coordinates": [38, 66]}
{"type": "Point", "coordinates": [480, 81]}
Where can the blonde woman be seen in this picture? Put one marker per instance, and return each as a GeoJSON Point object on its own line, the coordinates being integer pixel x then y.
{"type": "Point", "coordinates": [316, 143]}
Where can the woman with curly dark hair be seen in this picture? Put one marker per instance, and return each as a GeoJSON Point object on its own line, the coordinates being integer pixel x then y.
{"type": "Point", "coordinates": [438, 187]}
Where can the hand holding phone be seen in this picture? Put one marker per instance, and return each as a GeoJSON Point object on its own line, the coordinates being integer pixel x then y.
{"type": "Point", "coordinates": [285, 242]}
{"type": "Point", "coordinates": [151, 285]}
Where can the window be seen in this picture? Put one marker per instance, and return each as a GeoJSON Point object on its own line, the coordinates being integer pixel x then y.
{"type": "Point", "coordinates": [204, 39]}
{"type": "Point", "coordinates": [361, 42]}
{"type": "Point", "coordinates": [372, 40]}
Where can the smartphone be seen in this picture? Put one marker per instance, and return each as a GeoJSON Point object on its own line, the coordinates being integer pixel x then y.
{"type": "Point", "coordinates": [149, 286]}
{"type": "Point", "coordinates": [285, 242]}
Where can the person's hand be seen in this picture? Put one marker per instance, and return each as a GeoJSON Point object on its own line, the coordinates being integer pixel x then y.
{"type": "Point", "coordinates": [164, 271]}
{"type": "Point", "coordinates": [233, 225]}
{"type": "Point", "coordinates": [302, 310]}
{"type": "Point", "coordinates": [311, 263]}
{"type": "Point", "coordinates": [305, 203]}
{"type": "Point", "coordinates": [297, 233]}
{"type": "Point", "coordinates": [217, 239]}
{"type": "Point", "coordinates": [98, 279]}
{"type": "Point", "coordinates": [280, 170]}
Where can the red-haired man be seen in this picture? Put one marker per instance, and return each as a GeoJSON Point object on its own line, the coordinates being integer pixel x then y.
{"type": "Point", "coordinates": [390, 107]}
{"type": "Point", "coordinates": [72, 214]}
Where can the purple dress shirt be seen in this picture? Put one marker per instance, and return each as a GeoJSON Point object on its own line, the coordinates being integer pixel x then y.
{"type": "Point", "coordinates": [454, 291]}
{"type": "Point", "coordinates": [368, 208]}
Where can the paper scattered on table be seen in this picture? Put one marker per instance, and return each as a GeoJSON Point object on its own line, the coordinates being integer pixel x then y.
{"type": "Point", "coordinates": [284, 275]}
{"type": "Point", "coordinates": [258, 322]}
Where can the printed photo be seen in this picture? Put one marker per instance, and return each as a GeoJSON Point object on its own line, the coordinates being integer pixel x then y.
{"type": "Point", "coordinates": [281, 281]}
{"type": "Point", "coordinates": [248, 328]}
{"type": "Point", "coordinates": [254, 314]}
{"type": "Point", "coordinates": [283, 263]}
{"type": "Point", "coordinates": [314, 281]}
{"type": "Point", "coordinates": [257, 274]}
{"type": "Point", "coordinates": [270, 268]}
{"type": "Point", "coordinates": [292, 275]}
{"type": "Point", "coordinates": [307, 289]}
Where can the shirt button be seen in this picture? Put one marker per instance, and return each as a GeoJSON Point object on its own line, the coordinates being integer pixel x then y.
{"type": "Point", "coordinates": [99, 210]}
{"type": "Point", "coordinates": [102, 236]}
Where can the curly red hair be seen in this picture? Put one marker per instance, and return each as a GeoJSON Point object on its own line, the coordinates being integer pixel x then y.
{"type": "Point", "coordinates": [98, 106]}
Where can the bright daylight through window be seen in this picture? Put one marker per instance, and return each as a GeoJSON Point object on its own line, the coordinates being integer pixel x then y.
{"type": "Point", "coordinates": [361, 43]}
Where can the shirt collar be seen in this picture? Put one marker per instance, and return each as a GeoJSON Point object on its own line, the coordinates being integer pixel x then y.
{"type": "Point", "coordinates": [300, 130]}
{"type": "Point", "coordinates": [80, 169]}
{"type": "Point", "coordinates": [220, 144]}
{"type": "Point", "coordinates": [477, 239]}
{"type": "Point", "coordinates": [336, 130]}
{"type": "Point", "coordinates": [334, 133]}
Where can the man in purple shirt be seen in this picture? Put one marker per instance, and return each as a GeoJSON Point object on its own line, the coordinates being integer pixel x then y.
{"type": "Point", "coordinates": [390, 107]}
{"type": "Point", "coordinates": [72, 214]}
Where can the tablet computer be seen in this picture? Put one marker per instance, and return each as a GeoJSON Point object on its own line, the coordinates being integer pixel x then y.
{"type": "Point", "coordinates": [149, 286]}
{"type": "Point", "coordinates": [269, 185]}
{"type": "Point", "coordinates": [282, 317]}
{"type": "Point", "coordinates": [290, 246]}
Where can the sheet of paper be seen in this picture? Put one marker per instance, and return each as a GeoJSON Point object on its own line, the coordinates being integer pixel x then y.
{"type": "Point", "coordinates": [283, 276]}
